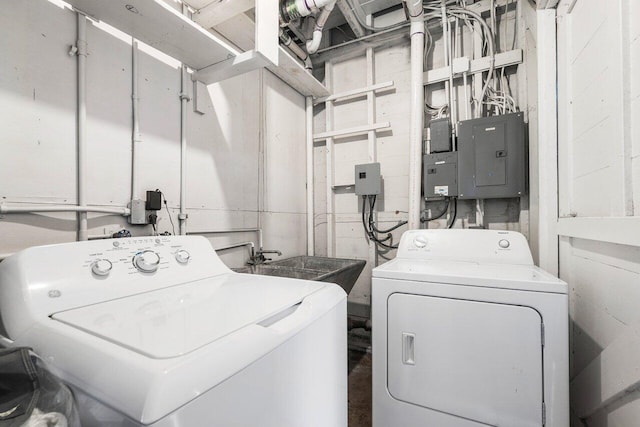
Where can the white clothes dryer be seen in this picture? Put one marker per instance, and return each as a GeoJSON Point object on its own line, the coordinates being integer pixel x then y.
{"type": "Point", "coordinates": [467, 332]}
{"type": "Point", "coordinates": [157, 331]}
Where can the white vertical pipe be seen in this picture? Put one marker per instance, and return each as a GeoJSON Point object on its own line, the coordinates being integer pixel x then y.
{"type": "Point", "coordinates": [184, 98]}
{"type": "Point", "coordinates": [135, 134]}
{"type": "Point", "coordinates": [81, 45]}
{"type": "Point", "coordinates": [417, 111]}
{"type": "Point", "coordinates": [310, 183]}
{"type": "Point", "coordinates": [371, 136]}
{"type": "Point", "coordinates": [328, 80]}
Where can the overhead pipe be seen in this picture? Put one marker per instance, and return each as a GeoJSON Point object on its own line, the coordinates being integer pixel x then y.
{"type": "Point", "coordinates": [184, 98]}
{"type": "Point", "coordinates": [4, 209]}
{"type": "Point", "coordinates": [293, 9]}
{"type": "Point", "coordinates": [290, 10]}
{"type": "Point", "coordinates": [81, 53]}
{"type": "Point", "coordinates": [416, 12]}
{"type": "Point", "coordinates": [314, 44]}
{"type": "Point", "coordinates": [297, 50]}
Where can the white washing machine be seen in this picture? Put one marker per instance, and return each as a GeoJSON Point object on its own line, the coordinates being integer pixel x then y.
{"type": "Point", "coordinates": [157, 331]}
{"type": "Point", "coordinates": [467, 332]}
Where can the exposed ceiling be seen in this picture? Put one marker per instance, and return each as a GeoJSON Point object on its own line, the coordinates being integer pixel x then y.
{"type": "Point", "coordinates": [370, 7]}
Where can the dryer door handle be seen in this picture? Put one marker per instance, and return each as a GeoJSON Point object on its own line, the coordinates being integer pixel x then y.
{"type": "Point", "coordinates": [408, 348]}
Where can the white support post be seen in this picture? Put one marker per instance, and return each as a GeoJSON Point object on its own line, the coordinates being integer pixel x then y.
{"type": "Point", "coordinates": [547, 174]}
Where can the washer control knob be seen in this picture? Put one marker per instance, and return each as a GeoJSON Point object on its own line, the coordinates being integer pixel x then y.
{"type": "Point", "coordinates": [183, 256]}
{"type": "Point", "coordinates": [420, 242]}
{"type": "Point", "coordinates": [146, 261]}
{"type": "Point", "coordinates": [101, 267]}
{"type": "Point", "coordinates": [504, 243]}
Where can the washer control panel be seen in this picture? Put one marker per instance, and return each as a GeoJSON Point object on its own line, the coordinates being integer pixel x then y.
{"type": "Point", "coordinates": [493, 246]}
{"type": "Point", "coordinates": [145, 255]}
{"type": "Point", "coordinates": [70, 275]}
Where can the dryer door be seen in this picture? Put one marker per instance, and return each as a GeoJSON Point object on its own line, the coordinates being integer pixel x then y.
{"type": "Point", "coordinates": [475, 360]}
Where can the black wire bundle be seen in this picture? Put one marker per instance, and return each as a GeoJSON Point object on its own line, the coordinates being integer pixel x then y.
{"type": "Point", "coordinates": [444, 211]}
{"type": "Point", "coordinates": [370, 226]}
{"type": "Point", "coordinates": [166, 206]}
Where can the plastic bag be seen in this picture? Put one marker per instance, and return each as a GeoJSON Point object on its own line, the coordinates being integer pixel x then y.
{"type": "Point", "coordinates": [30, 395]}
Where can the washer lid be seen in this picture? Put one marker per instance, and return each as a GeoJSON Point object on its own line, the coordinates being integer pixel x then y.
{"type": "Point", "coordinates": [175, 321]}
{"type": "Point", "coordinates": [503, 276]}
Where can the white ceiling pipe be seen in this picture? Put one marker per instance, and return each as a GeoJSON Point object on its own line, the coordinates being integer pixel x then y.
{"type": "Point", "coordinates": [297, 50]}
{"type": "Point", "coordinates": [297, 8]}
{"type": "Point", "coordinates": [314, 43]}
{"type": "Point", "coordinates": [63, 208]}
{"type": "Point", "coordinates": [417, 110]}
{"type": "Point", "coordinates": [81, 45]}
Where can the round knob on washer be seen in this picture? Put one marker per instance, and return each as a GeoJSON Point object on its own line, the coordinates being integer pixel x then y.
{"type": "Point", "coordinates": [101, 267]}
{"type": "Point", "coordinates": [183, 256]}
{"type": "Point", "coordinates": [504, 243]}
{"type": "Point", "coordinates": [146, 261]}
{"type": "Point", "coordinates": [420, 241]}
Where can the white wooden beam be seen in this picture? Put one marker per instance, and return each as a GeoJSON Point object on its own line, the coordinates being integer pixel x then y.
{"type": "Point", "coordinates": [219, 11]}
{"type": "Point", "coordinates": [619, 230]}
{"type": "Point", "coordinates": [610, 376]}
{"type": "Point", "coordinates": [243, 63]}
{"type": "Point", "coordinates": [546, 173]}
{"type": "Point", "coordinates": [354, 131]}
{"type": "Point", "coordinates": [267, 29]}
{"type": "Point", "coordinates": [480, 65]}
{"type": "Point", "coordinates": [350, 16]}
{"type": "Point", "coordinates": [293, 73]}
{"type": "Point", "coordinates": [355, 92]}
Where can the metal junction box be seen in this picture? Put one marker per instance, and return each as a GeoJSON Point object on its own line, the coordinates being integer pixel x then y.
{"type": "Point", "coordinates": [368, 180]}
{"type": "Point", "coordinates": [492, 157]}
{"type": "Point", "coordinates": [440, 135]}
{"type": "Point", "coordinates": [440, 174]}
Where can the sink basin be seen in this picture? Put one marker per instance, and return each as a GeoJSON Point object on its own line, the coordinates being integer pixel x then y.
{"type": "Point", "coordinates": [342, 271]}
{"type": "Point", "coordinates": [268, 270]}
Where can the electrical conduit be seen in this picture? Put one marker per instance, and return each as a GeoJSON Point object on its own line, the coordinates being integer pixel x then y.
{"type": "Point", "coordinates": [417, 108]}
{"type": "Point", "coordinates": [297, 50]}
{"type": "Point", "coordinates": [135, 134]}
{"type": "Point", "coordinates": [314, 44]}
{"type": "Point", "coordinates": [81, 45]}
{"type": "Point", "coordinates": [184, 98]}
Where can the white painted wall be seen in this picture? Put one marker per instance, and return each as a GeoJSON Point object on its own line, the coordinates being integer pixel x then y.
{"type": "Point", "coordinates": [392, 147]}
{"type": "Point", "coordinates": [599, 148]}
{"type": "Point", "coordinates": [245, 161]}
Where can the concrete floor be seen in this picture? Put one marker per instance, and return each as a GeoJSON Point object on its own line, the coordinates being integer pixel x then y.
{"type": "Point", "coordinates": [359, 389]}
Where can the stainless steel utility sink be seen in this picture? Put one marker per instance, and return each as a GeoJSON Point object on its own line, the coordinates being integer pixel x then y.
{"type": "Point", "coordinates": [342, 271]}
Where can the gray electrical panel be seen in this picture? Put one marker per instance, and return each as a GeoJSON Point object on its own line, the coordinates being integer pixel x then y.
{"type": "Point", "coordinates": [440, 174]}
{"type": "Point", "coordinates": [492, 157]}
{"type": "Point", "coordinates": [368, 179]}
{"type": "Point", "coordinates": [440, 135]}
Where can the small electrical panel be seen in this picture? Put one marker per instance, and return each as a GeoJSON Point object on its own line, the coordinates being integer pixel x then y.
{"type": "Point", "coordinates": [492, 157]}
{"type": "Point", "coordinates": [440, 135]}
{"type": "Point", "coordinates": [138, 212]}
{"type": "Point", "coordinates": [368, 179]}
{"type": "Point", "coordinates": [440, 175]}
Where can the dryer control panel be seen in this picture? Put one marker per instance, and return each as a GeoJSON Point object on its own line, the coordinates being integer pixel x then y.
{"type": "Point", "coordinates": [482, 246]}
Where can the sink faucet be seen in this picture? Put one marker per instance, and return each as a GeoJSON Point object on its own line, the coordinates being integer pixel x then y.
{"type": "Point", "coordinates": [259, 257]}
